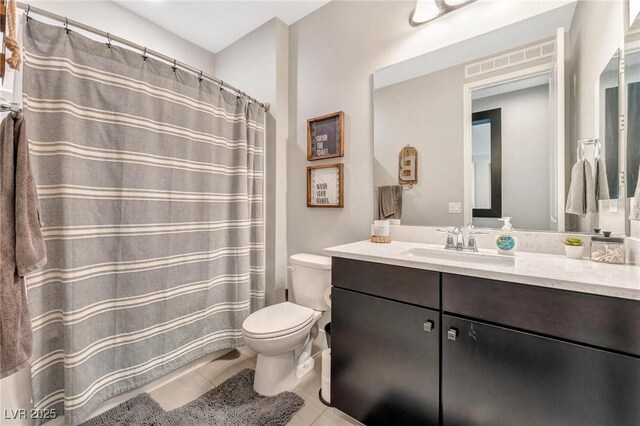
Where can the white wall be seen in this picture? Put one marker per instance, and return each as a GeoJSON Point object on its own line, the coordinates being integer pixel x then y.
{"type": "Point", "coordinates": [526, 153]}
{"type": "Point", "coordinates": [15, 390]}
{"type": "Point", "coordinates": [333, 53]}
{"type": "Point", "coordinates": [111, 17]}
{"type": "Point", "coordinates": [258, 63]}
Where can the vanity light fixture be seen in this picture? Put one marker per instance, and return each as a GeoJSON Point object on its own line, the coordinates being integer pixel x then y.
{"type": "Point", "coordinates": [428, 10]}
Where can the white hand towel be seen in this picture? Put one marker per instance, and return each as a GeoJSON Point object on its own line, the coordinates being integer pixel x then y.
{"type": "Point", "coordinates": [582, 195]}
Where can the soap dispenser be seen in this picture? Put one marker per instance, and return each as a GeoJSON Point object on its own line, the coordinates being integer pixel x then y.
{"type": "Point", "coordinates": [505, 241]}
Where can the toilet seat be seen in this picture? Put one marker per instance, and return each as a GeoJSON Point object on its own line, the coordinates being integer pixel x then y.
{"type": "Point", "coordinates": [277, 320]}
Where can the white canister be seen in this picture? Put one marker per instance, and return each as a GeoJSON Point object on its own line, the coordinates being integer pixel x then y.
{"type": "Point", "coordinates": [380, 228]}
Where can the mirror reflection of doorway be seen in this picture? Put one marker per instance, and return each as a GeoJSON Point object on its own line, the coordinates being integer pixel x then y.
{"type": "Point", "coordinates": [512, 152]}
{"type": "Point", "coordinates": [486, 151]}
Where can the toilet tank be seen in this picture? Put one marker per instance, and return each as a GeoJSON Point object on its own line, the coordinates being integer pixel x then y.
{"type": "Point", "coordinates": [310, 277]}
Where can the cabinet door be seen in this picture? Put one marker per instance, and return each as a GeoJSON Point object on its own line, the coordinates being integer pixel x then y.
{"type": "Point", "coordinates": [384, 360]}
{"type": "Point", "coordinates": [497, 376]}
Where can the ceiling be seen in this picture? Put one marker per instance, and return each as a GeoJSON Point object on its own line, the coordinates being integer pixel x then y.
{"type": "Point", "coordinates": [215, 24]}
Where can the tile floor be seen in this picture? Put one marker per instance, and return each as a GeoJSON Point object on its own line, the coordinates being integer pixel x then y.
{"type": "Point", "coordinates": [190, 386]}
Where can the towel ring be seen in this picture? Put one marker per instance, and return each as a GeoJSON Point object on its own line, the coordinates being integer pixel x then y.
{"type": "Point", "coordinates": [580, 151]}
{"type": "Point", "coordinates": [597, 145]}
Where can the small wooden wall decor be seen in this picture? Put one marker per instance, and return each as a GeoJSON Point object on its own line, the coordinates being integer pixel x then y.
{"type": "Point", "coordinates": [325, 136]}
{"type": "Point", "coordinates": [408, 167]}
{"type": "Point", "coordinates": [325, 186]}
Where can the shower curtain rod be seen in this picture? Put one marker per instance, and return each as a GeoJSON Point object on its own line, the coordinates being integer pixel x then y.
{"type": "Point", "coordinates": [146, 52]}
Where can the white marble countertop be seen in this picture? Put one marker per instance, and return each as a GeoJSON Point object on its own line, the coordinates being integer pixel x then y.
{"type": "Point", "coordinates": [542, 270]}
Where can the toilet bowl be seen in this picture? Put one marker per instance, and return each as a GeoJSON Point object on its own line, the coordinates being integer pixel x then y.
{"type": "Point", "coordinates": [282, 335]}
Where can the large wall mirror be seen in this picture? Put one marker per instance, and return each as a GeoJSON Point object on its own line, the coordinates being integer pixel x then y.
{"type": "Point", "coordinates": [632, 129]}
{"type": "Point", "coordinates": [492, 121]}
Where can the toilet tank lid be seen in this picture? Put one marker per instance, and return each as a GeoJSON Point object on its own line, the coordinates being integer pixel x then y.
{"type": "Point", "coordinates": [311, 261]}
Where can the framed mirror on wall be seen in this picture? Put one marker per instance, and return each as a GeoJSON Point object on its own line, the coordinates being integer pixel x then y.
{"type": "Point", "coordinates": [474, 174]}
{"type": "Point", "coordinates": [608, 151]}
{"type": "Point", "coordinates": [631, 107]}
{"type": "Point", "coordinates": [486, 132]}
{"type": "Point", "coordinates": [605, 152]}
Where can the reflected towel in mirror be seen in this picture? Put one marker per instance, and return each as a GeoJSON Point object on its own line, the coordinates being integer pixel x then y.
{"type": "Point", "coordinates": [390, 202]}
{"type": "Point", "coordinates": [602, 185]}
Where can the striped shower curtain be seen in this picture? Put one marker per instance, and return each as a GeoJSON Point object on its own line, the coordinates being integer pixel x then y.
{"type": "Point", "coordinates": [150, 183]}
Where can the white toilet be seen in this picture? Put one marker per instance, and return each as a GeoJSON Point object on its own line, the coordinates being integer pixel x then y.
{"type": "Point", "coordinates": [282, 334]}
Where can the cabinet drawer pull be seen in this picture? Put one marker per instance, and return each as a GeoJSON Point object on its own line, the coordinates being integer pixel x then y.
{"type": "Point", "coordinates": [428, 326]}
{"type": "Point", "coordinates": [452, 334]}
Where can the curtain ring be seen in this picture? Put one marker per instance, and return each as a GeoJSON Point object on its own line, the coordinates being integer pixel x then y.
{"type": "Point", "coordinates": [27, 13]}
{"type": "Point", "coordinates": [66, 25]}
{"type": "Point", "coordinates": [175, 66]}
{"type": "Point", "coordinates": [108, 43]}
{"type": "Point", "coordinates": [221, 84]}
{"type": "Point", "coordinates": [144, 54]}
{"type": "Point", "coordinates": [200, 76]}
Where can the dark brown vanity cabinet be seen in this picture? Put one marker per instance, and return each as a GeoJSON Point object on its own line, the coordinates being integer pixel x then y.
{"type": "Point", "coordinates": [498, 353]}
{"type": "Point", "coordinates": [385, 356]}
{"type": "Point", "coordinates": [494, 375]}
{"type": "Point", "coordinates": [515, 354]}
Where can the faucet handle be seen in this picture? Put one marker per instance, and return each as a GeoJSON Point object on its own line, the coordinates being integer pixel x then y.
{"type": "Point", "coordinates": [450, 243]}
{"type": "Point", "coordinates": [471, 245]}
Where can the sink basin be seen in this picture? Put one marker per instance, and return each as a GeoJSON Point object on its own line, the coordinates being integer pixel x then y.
{"type": "Point", "coordinates": [424, 254]}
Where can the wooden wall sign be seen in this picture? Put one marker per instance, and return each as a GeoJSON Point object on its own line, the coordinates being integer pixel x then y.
{"type": "Point", "coordinates": [325, 186]}
{"type": "Point", "coordinates": [325, 136]}
{"type": "Point", "coordinates": [408, 167]}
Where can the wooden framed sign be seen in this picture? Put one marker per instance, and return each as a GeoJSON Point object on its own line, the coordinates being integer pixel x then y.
{"type": "Point", "coordinates": [325, 186]}
{"type": "Point", "coordinates": [408, 167]}
{"type": "Point", "coordinates": [325, 136]}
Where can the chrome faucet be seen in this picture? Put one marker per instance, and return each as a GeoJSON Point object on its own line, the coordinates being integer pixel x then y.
{"type": "Point", "coordinates": [455, 239]}
{"type": "Point", "coordinates": [457, 233]}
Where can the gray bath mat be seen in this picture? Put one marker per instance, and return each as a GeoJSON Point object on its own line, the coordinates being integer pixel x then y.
{"type": "Point", "coordinates": [233, 403]}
